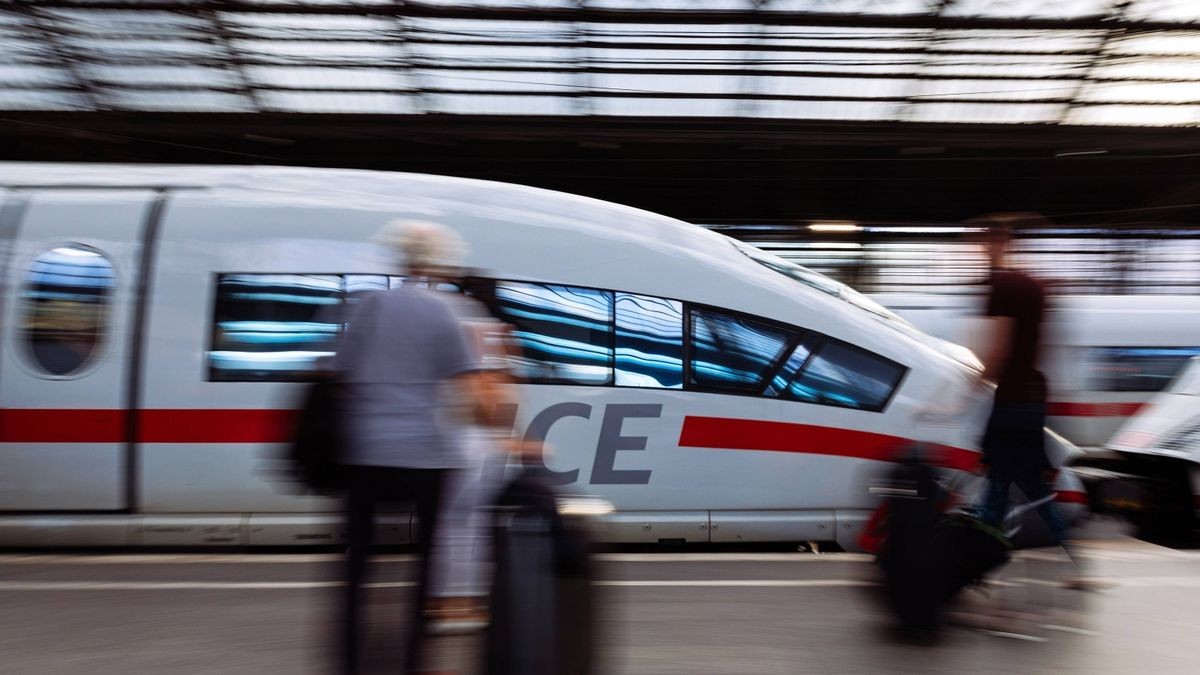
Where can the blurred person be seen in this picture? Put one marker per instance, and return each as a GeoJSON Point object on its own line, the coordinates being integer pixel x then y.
{"type": "Point", "coordinates": [1013, 442]}
{"type": "Point", "coordinates": [401, 348]}
{"type": "Point", "coordinates": [460, 550]}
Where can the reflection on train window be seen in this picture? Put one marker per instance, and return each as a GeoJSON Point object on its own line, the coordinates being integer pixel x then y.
{"type": "Point", "coordinates": [358, 286]}
{"type": "Point", "coordinates": [565, 333]}
{"type": "Point", "coordinates": [273, 326]}
{"type": "Point", "coordinates": [649, 347]}
{"type": "Point", "coordinates": [733, 353]}
{"type": "Point", "coordinates": [842, 375]}
{"type": "Point", "coordinates": [65, 307]}
{"type": "Point", "coordinates": [785, 377]}
{"type": "Point", "coordinates": [1136, 368]}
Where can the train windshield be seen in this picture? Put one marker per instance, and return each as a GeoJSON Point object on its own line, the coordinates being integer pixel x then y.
{"type": "Point", "coordinates": [818, 281]}
{"type": "Point", "coordinates": [1188, 381]}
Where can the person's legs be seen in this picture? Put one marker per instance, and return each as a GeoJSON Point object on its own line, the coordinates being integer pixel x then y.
{"type": "Point", "coordinates": [425, 488]}
{"type": "Point", "coordinates": [360, 520]}
{"type": "Point", "coordinates": [1035, 489]}
{"type": "Point", "coordinates": [995, 498]}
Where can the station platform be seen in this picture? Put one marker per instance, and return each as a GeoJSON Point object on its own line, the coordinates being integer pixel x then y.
{"type": "Point", "coordinates": [663, 613]}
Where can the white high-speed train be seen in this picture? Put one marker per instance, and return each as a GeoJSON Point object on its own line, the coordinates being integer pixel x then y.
{"type": "Point", "coordinates": [1105, 357]}
{"type": "Point", "coordinates": [158, 321]}
{"type": "Point", "coordinates": [1150, 470]}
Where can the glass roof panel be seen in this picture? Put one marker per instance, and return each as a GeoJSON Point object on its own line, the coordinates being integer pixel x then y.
{"type": "Point", "coordinates": [29, 99]}
{"type": "Point", "coordinates": [511, 55]}
{"type": "Point", "coordinates": [1051, 9]}
{"type": "Point", "coordinates": [467, 104]}
{"type": "Point", "coordinates": [465, 80]}
{"type": "Point", "coordinates": [1116, 92]}
{"type": "Point", "coordinates": [1165, 10]}
{"type": "Point", "coordinates": [128, 22]}
{"type": "Point", "coordinates": [1055, 42]}
{"type": "Point", "coordinates": [492, 31]}
{"type": "Point", "coordinates": [670, 4]}
{"type": "Point", "coordinates": [829, 62]}
{"type": "Point", "coordinates": [822, 110]}
{"type": "Point", "coordinates": [662, 106]}
{"type": "Point", "coordinates": [1135, 115]}
{"type": "Point", "coordinates": [833, 86]}
{"type": "Point", "coordinates": [1153, 69]}
{"type": "Point", "coordinates": [985, 113]}
{"type": "Point", "coordinates": [14, 73]}
{"type": "Point", "coordinates": [199, 58]}
{"type": "Point", "coordinates": [995, 89]}
{"type": "Point", "coordinates": [1006, 66]}
{"type": "Point", "coordinates": [328, 26]}
{"type": "Point", "coordinates": [1164, 43]}
{"type": "Point", "coordinates": [328, 78]}
{"type": "Point", "coordinates": [697, 84]}
{"type": "Point", "coordinates": [336, 102]}
{"type": "Point", "coordinates": [506, 3]}
{"type": "Point", "coordinates": [854, 6]}
{"type": "Point", "coordinates": [161, 75]}
{"type": "Point", "coordinates": [146, 49]}
{"type": "Point", "coordinates": [672, 34]}
{"type": "Point", "coordinates": [300, 52]}
{"type": "Point", "coordinates": [180, 101]}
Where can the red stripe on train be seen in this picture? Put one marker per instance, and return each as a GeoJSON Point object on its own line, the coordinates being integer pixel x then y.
{"type": "Point", "coordinates": [41, 425]}
{"type": "Point", "coordinates": [737, 434]}
{"type": "Point", "coordinates": [1078, 409]}
{"type": "Point", "coordinates": [18, 425]}
{"type": "Point", "coordinates": [215, 426]}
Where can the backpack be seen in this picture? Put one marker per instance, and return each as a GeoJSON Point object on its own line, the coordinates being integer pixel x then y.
{"type": "Point", "coordinates": [316, 448]}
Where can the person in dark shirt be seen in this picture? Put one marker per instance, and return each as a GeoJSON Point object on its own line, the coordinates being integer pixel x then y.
{"type": "Point", "coordinates": [1014, 440]}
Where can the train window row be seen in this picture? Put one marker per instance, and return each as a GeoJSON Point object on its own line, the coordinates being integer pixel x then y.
{"type": "Point", "coordinates": [1142, 369]}
{"type": "Point", "coordinates": [279, 327]}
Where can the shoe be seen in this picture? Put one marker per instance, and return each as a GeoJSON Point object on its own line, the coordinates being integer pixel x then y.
{"type": "Point", "coordinates": [456, 622]}
{"type": "Point", "coordinates": [1085, 584]}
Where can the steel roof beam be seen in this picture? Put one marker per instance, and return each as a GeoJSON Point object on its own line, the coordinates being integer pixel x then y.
{"type": "Point", "coordinates": [590, 14]}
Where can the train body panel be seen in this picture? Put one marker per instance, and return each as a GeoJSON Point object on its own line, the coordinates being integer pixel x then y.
{"type": "Point", "coordinates": [241, 260]}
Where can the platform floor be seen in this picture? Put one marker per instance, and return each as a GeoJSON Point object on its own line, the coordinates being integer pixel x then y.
{"type": "Point", "coordinates": [663, 614]}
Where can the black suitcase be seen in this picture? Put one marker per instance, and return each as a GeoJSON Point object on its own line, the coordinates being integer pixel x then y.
{"type": "Point", "coordinates": [907, 557]}
{"type": "Point", "coordinates": [542, 604]}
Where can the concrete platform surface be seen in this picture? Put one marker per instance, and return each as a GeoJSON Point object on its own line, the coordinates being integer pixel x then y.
{"type": "Point", "coordinates": [663, 614]}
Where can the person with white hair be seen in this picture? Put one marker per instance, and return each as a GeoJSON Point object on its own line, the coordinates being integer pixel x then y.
{"type": "Point", "coordinates": [402, 349]}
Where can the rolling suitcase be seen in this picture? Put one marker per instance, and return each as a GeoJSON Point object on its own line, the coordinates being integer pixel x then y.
{"type": "Point", "coordinates": [542, 604]}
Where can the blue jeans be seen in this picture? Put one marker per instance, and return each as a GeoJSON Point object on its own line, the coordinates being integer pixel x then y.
{"type": "Point", "coordinates": [1014, 444]}
{"type": "Point", "coordinates": [995, 501]}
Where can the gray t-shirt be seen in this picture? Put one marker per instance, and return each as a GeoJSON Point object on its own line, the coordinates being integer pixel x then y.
{"type": "Point", "coordinates": [400, 347]}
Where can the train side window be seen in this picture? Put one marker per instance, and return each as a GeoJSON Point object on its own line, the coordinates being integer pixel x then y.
{"type": "Point", "coordinates": [843, 375]}
{"type": "Point", "coordinates": [1146, 369]}
{"type": "Point", "coordinates": [65, 304]}
{"type": "Point", "coordinates": [731, 353]}
{"type": "Point", "coordinates": [649, 342]}
{"type": "Point", "coordinates": [273, 327]}
{"type": "Point", "coordinates": [565, 333]}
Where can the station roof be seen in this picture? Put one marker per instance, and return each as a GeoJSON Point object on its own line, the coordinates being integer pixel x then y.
{"type": "Point", "coordinates": [1061, 62]}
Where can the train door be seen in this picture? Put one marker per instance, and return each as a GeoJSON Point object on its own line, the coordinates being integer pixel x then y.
{"type": "Point", "coordinates": [67, 332]}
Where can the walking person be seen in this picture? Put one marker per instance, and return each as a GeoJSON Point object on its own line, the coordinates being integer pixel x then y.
{"type": "Point", "coordinates": [1014, 439]}
{"type": "Point", "coordinates": [458, 586]}
{"type": "Point", "coordinates": [403, 353]}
